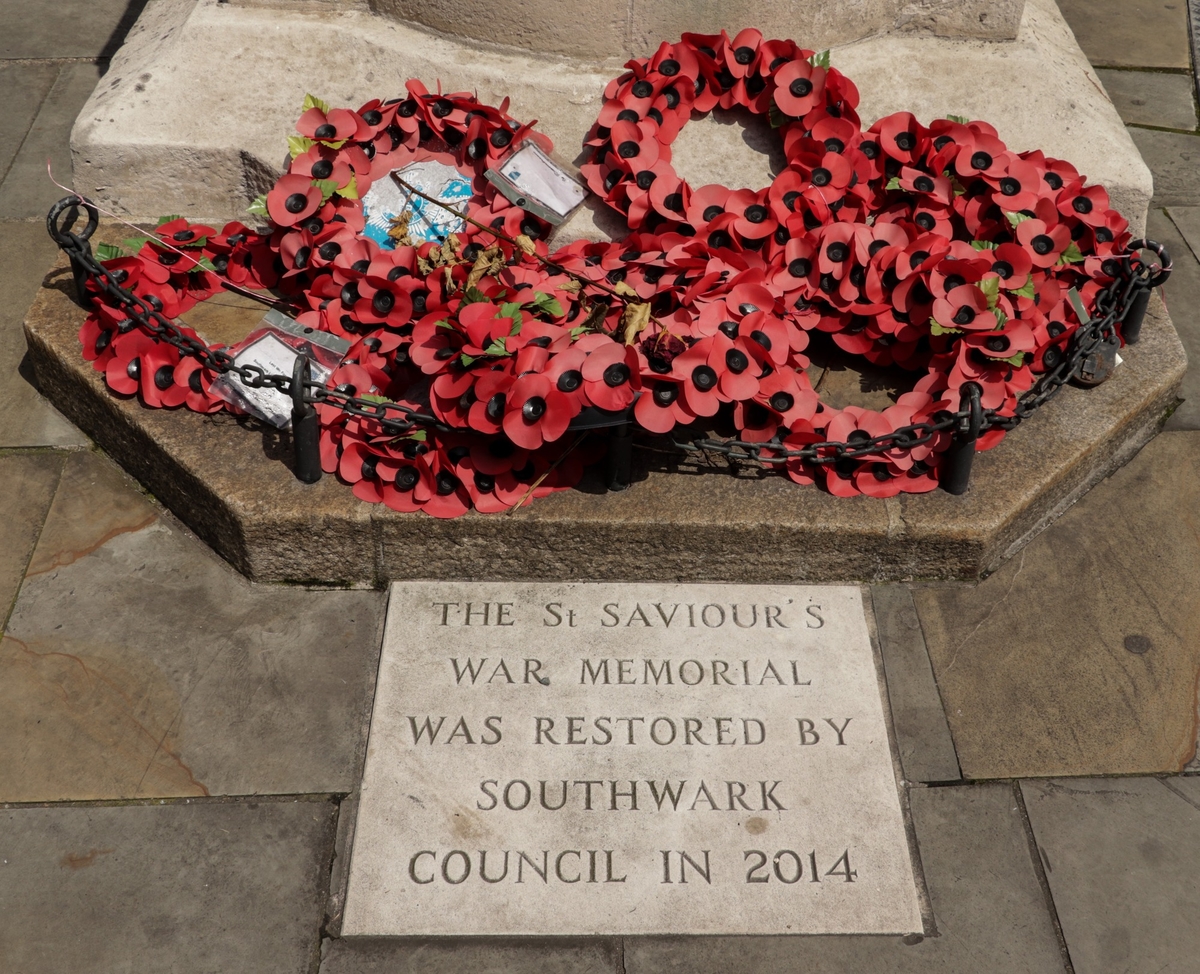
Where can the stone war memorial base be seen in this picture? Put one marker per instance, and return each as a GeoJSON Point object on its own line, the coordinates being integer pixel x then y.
{"type": "Point", "coordinates": [173, 130]}
{"type": "Point", "coordinates": [231, 482]}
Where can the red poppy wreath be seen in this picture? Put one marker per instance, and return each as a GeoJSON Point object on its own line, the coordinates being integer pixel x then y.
{"type": "Point", "coordinates": [934, 248]}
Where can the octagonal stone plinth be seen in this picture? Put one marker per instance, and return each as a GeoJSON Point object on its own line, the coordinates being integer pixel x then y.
{"type": "Point", "coordinates": [232, 485]}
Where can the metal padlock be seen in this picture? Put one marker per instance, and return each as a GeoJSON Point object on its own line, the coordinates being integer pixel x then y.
{"type": "Point", "coordinates": [1098, 365]}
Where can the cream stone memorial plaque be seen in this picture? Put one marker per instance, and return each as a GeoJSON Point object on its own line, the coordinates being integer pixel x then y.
{"type": "Point", "coordinates": [628, 759]}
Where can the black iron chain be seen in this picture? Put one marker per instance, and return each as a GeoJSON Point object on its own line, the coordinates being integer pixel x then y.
{"type": "Point", "coordinates": [1112, 306]}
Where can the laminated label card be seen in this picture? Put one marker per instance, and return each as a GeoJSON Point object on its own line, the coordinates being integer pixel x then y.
{"type": "Point", "coordinates": [273, 347]}
{"type": "Point", "coordinates": [386, 201]}
{"type": "Point", "coordinates": [581, 759]}
{"type": "Point", "coordinates": [534, 182]}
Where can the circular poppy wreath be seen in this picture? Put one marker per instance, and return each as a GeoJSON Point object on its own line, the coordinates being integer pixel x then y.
{"type": "Point", "coordinates": [935, 249]}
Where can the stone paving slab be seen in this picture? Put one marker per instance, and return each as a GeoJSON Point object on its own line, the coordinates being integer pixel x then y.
{"type": "Point", "coordinates": [989, 909]}
{"type": "Point", "coordinates": [23, 86]}
{"type": "Point", "coordinates": [136, 664]}
{"type": "Point", "coordinates": [204, 888]}
{"type": "Point", "coordinates": [26, 419]}
{"type": "Point", "coordinates": [69, 30]}
{"type": "Point", "coordinates": [1182, 291]}
{"type": "Point", "coordinates": [27, 191]}
{"type": "Point", "coordinates": [509, 955]}
{"type": "Point", "coordinates": [1122, 856]}
{"type": "Point", "coordinates": [1079, 655]}
{"type": "Point", "coordinates": [1175, 160]}
{"type": "Point", "coordinates": [1131, 33]}
{"type": "Point", "coordinates": [922, 735]}
{"type": "Point", "coordinates": [1152, 98]}
{"type": "Point", "coordinates": [27, 482]}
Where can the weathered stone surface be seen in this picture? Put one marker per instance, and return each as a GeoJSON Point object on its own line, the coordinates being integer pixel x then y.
{"type": "Point", "coordinates": [1175, 159]}
{"type": "Point", "coordinates": [987, 907]}
{"type": "Point", "coordinates": [187, 888]}
{"type": "Point", "coordinates": [922, 735]}
{"type": "Point", "coordinates": [1152, 97]}
{"type": "Point", "coordinates": [1131, 33]}
{"type": "Point", "coordinates": [26, 419]}
{"type": "Point", "coordinates": [544, 28]}
{"type": "Point", "coordinates": [137, 665]}
{"type": "Point", "coordinates": [1079, 656]}
{"type": "Point", "coordinates": [148, 145]}
{"type": "Point", "coordinates": [1121, 856]}
{"type": "Point", "coordinates": [609, 731]}
{"type": "Point", "coordinates": [678, 522]}
{"type": "Point", "coordinates": [27, 481]}
{"type": "Point", "coordinates": [440, 955]}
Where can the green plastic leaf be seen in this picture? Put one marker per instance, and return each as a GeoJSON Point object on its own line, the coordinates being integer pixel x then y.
{"type": "Point", "coordinates": [577, 331]}
{"type": "Point", "coordinates": [350, 190]}
{"type": "Point", "coordinates": [134, 244]}
{"type": "Point", "coordinates": [468, 360]}
{"type": "Point", "coordinates": [327, 187]}
{"type": "Point", "coordinates": [1015, 219]}
{"type": "Point", "coordinates": [1001, 319]}
{"type": "Point", "coordinates": [510, 309]}
{"type": "Point", "coordinates": [443, 324]}
{"type": "Point", "coordinates": [547, 304]}
{"type": "Point", "coordinates": [106, 251]}
{"type": "Point", "coordinates": [204, 264]}
{"type": "Point", "coordinates": [312, 101]}
{"type": "Point", "coordinates": [473, 295]}
{"type": "Point", "coordinates": [820, 59]}
{"type": "Point", "coordinates": [419, 435]}
{"type": "Point", "coordinates": [1072, 255]}
{"type": "Point", "coordinates": [298, 145]}
{"type": "Point", "coordinates": [1016, 361]}
{"type": "Point", "coordinates": [937, 328]}
{"type": "Point", "coordinates": [984, 244]}
{"type": "Point", "coordinates": [1025, 290]}
{"type": "Point", "coordinates": [496, 348]}
{"type": "Point", "coordinates": [893, 183]}
{"type": "Point", "coordinates": [371, 397]}
{"type": "Point", "coordinates": [167, 219]}
{"type": "Point", "coordinates": [961, 119]}
{"type": "Point", "coordinates": [258, 207]}
{"type": "Point", "coordinates": [776, 117]}
{"type": "Point", "coordinates": [990, 286]}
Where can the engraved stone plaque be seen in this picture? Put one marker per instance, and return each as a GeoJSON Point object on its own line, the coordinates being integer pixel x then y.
{"type": "Point", "coordinates": [628, 759]}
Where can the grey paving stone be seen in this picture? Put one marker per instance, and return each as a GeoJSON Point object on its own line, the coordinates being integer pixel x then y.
{"type": "Point", "coordinates": [26, 418]}
{"type": "Point", "coordinates": [368, 955]}
{"type": "Point", "coordinates": [27, 191]}
{"type": "Point", "coordinates": [137, 664]}
{"type": "Point", "coordinates": [90, 29]}
{"type": "Point", "coordinates": [1152, 97]}
{"type": "Point", "coordinates": [1122, 856]}
{"type": "Point", "coordinates": [1131, 33]}
{"type": "Point", "coordinates": [990, 912]}
{"type": "Point", "coordinates": [27, 483]}
{"type": "Point", "coordinates": [1079, 655]}
{"type": "Point", "coordinates": [1182, 293]}
{"type": "Point", "coordinates": [202, 888]}
{"type": "Point", "coordinates": [1174, 160]}
{"type": "Point", "coordinates": [23, 86]}
{"type": "Point", "coordinates": [922, 735]}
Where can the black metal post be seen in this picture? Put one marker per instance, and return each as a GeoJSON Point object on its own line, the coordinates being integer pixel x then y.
{"type": "Point", "coordinates": [75, 244]}
{"type": "Point", "coordinates": [306, 431]}
{"type": "Point", "coordinates": [1131, 327]}
{"type": "Point", "coordinates": [620, 456]}
{"type": "Point", "coordinates": [957, 461]}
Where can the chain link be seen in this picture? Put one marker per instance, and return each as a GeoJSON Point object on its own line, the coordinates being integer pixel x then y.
{"type": "Point", "coordinates": [1112, 305]}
